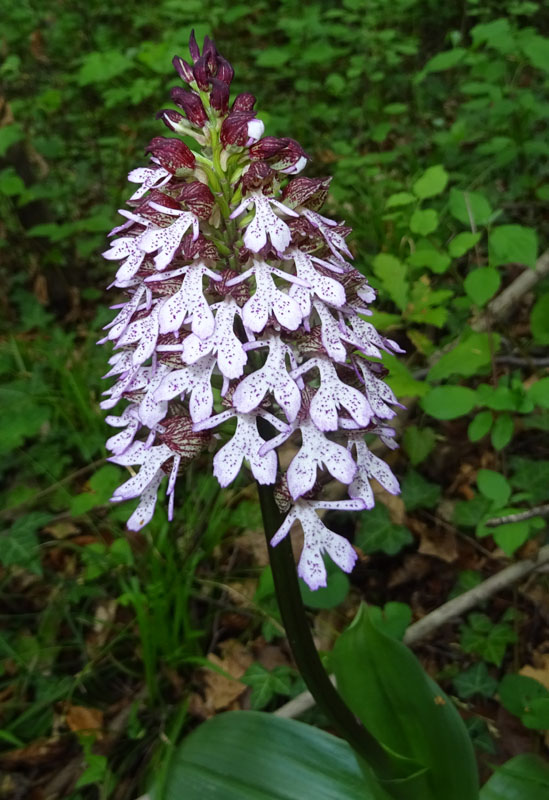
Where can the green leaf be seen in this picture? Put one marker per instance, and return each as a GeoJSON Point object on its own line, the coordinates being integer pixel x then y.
{"type": "Point", "coordinates": [418, 492]}
{"type": "Point", "coordinates": [475, 681]}
{"type": "Point", "coordinates": [502, 432]}
{"type": "Point", "coordinates": [470, 208]}
{"type": "Point", "coordinates": [425, 255]}
{"type": "Point", "coordinates": [536, 49]}
{"type": "Point", "coordinates": [393, 619]}
{"type": "Point", "coordinates": [392, 274]}
{"type": "Point", "coordinates": [101, 67]}
{"type": "Point", "coordinates": [531, 476]}
{"type": "Point", "coordinates": [19, 545]}
{"type": "Point", "coordinates": [468, 513]}
{"type": "Point", "coordinates": [516, 693]}
{"type": "Point", "coordinates": [539, 320]}
{"type": "Point", "coordinates": [480, 425]}
{"type": "Point", "coordinates": [424, 221]}
{"type": "Point", "coordinates": [247, 755]}
{"type": "Point", "coordinates": [426, 305]}
{"type": "Point", "coordinates": [512, 244]}
{"type": "Point", "coordinates": [524, 777]}
{"type": "Point", "coordinates": [432, 182]}
{"type": "Point", "coordinates": [537, 715]}
{"type": "Point", "coordinates": [493, 486]}
{"type": "Point", "coordinates": [510, 536]}
{"type": "Point", "coordinates": [448, 402]}
{"type": "Point", "coordinates": [481, 284]}
{"type": "Point", "coordinates": [462, 243]}
{"type": "Point", "coordinates": [480, 735]}
{"type": "Point", "coordinates": [471, 355]}
{"type": "Point", "coordinates": [441, 62]}
{"type": "Point", "coordinates": [400, 199]}
{"type": "Point", "coordinates": [401, 380]}
{"type": "Point", "coordinates": [395, 108]}
{"type": "Point", "coordinates": [9, 134]}
{"type": "Point", "coordinates": [266, 684]}
{"type": "Point", "coordinates": [496, 34]}
{"type": "Point", "coordinates": [386, 687]}
{"type": "Point", "coordinates": [539, 392]}
{"type": "Point", "coordinates": [10, 183]}
{"type": "Point", "coordinates": [485, 638]}
{"type": "Point", "coordinates": [418, 443]}
{"type": "Point", "coordinates": [377, 533]}
{"type": "Point", "coordinates": [328, 596]}
{"type": "Point", "coordinates": [467, 579]}
{"type": "Point", "coordinates": [272, 57]}
{"type": "Point", "coordinates": [380, 131]}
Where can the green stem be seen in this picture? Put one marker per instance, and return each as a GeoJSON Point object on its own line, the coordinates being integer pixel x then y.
{"type": "Point", "coordinates": [303, 648]}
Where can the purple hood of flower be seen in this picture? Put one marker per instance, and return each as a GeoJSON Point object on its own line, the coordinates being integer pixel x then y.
{"type": "Point", "coordinates": [235, 281]}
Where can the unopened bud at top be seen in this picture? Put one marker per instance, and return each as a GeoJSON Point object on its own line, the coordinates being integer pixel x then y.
{"type": "Point", "coordinates": [191, 104]}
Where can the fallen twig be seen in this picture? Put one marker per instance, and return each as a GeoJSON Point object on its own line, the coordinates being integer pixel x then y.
{"type": "Point", "coordinates": [478, 594]}
{"type": "Point", "coordinates": [536, 511]}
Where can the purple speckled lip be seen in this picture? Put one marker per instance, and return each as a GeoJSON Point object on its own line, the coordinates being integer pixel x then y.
{"type": "Point", "coordinates": [235, 282]}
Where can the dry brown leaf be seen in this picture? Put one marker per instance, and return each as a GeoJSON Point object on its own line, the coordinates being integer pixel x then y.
{"type": "Point", "coordinates": [415, 567]}
{"type": "Point", "coordinates": [540, 672]}
{"type": "Point", "coordinates": [221, 691]}
{"type": "Point", "coordinates": [62, 529]}
{"type": "Point", "coordinates": [81, 718]}
{"type": "Point", "coordinates": [394, 505]}
{"type": "Point", "coordinates": [254, 543]}
{"type": "Point", "coordinates": [440, 543]}
{"type": "Point", "coordinates": [39, 751]}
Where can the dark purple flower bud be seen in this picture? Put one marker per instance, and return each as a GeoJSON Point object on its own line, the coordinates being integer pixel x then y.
{"type": "Point", "coordinates": [240, 127]}
{"type": "Point", "coordinates": [211, 61]}
{"type": "Point", "coordinates": [208, 48]}
{"type": "Point", "coordinates": [193, 47]}
{"type": "Point", "coordinates": [309, 192]}
{"type": "Point", "coordinates": [170, 118]}
{"type": "Point", "coordinates": [198, 199]}
{"type": "Point", "coordinates": [145, 210]}
{"type": "Point", "coordinates": [243, 102]}
{"type": "Point", "coordinates": [258, 175]}
{"type": "Point", "coordinates": [219, 98]}
{"type": "Point", "coordinates": [191, 104]}
{"type": "Point", "coordinates": [225, 72]}
{"type": "Point", "coordinates": [201, 74]}
{"type": "Point", "coordinates": [184, 70]}
{"type": "Point", "coordinates": [267, 147]}
{"type": "Point", "coordinates": [285, 155]}
{"type": "Point", "coordinates": [172, 154]}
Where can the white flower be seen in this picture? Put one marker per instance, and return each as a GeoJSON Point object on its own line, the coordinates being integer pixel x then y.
{"type": "Point", "coordinates": [245, 444]}
{"type": "Point", "coordinates": [271, 377]}
{"type": "Point", "coordinates": [317, 451]}
{"type": "Point", "coordinates": [167, 240]}
{"type": "Point", "coordinates": [265, 222]}
{"type": "Point", "coordinates": [194, 379]}
{"type": "Point", "coordinates": [369, 466]}
{"type": "Point", "coordinates": [333, 394]}
{"type": "Point", "coordinates": [319, 539]}
{"type": "Point", "coordinates": [231, 355]}
{"type": "Point", "coordinates": [149, 179]}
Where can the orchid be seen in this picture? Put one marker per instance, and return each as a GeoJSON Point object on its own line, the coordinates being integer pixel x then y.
{"type": "Point", "coordinates": [244, 328]}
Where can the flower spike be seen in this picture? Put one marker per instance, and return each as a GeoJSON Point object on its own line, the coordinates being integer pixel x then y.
{"type": "Point", "coordinates": [243, 326]}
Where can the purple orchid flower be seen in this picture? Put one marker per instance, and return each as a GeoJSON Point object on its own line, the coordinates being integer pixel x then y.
{"type": "Point", "coordinates": [242, 310]}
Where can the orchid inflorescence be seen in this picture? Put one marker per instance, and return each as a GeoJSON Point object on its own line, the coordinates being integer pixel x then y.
{"type": "Point", "coordinates": [242, 306]}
